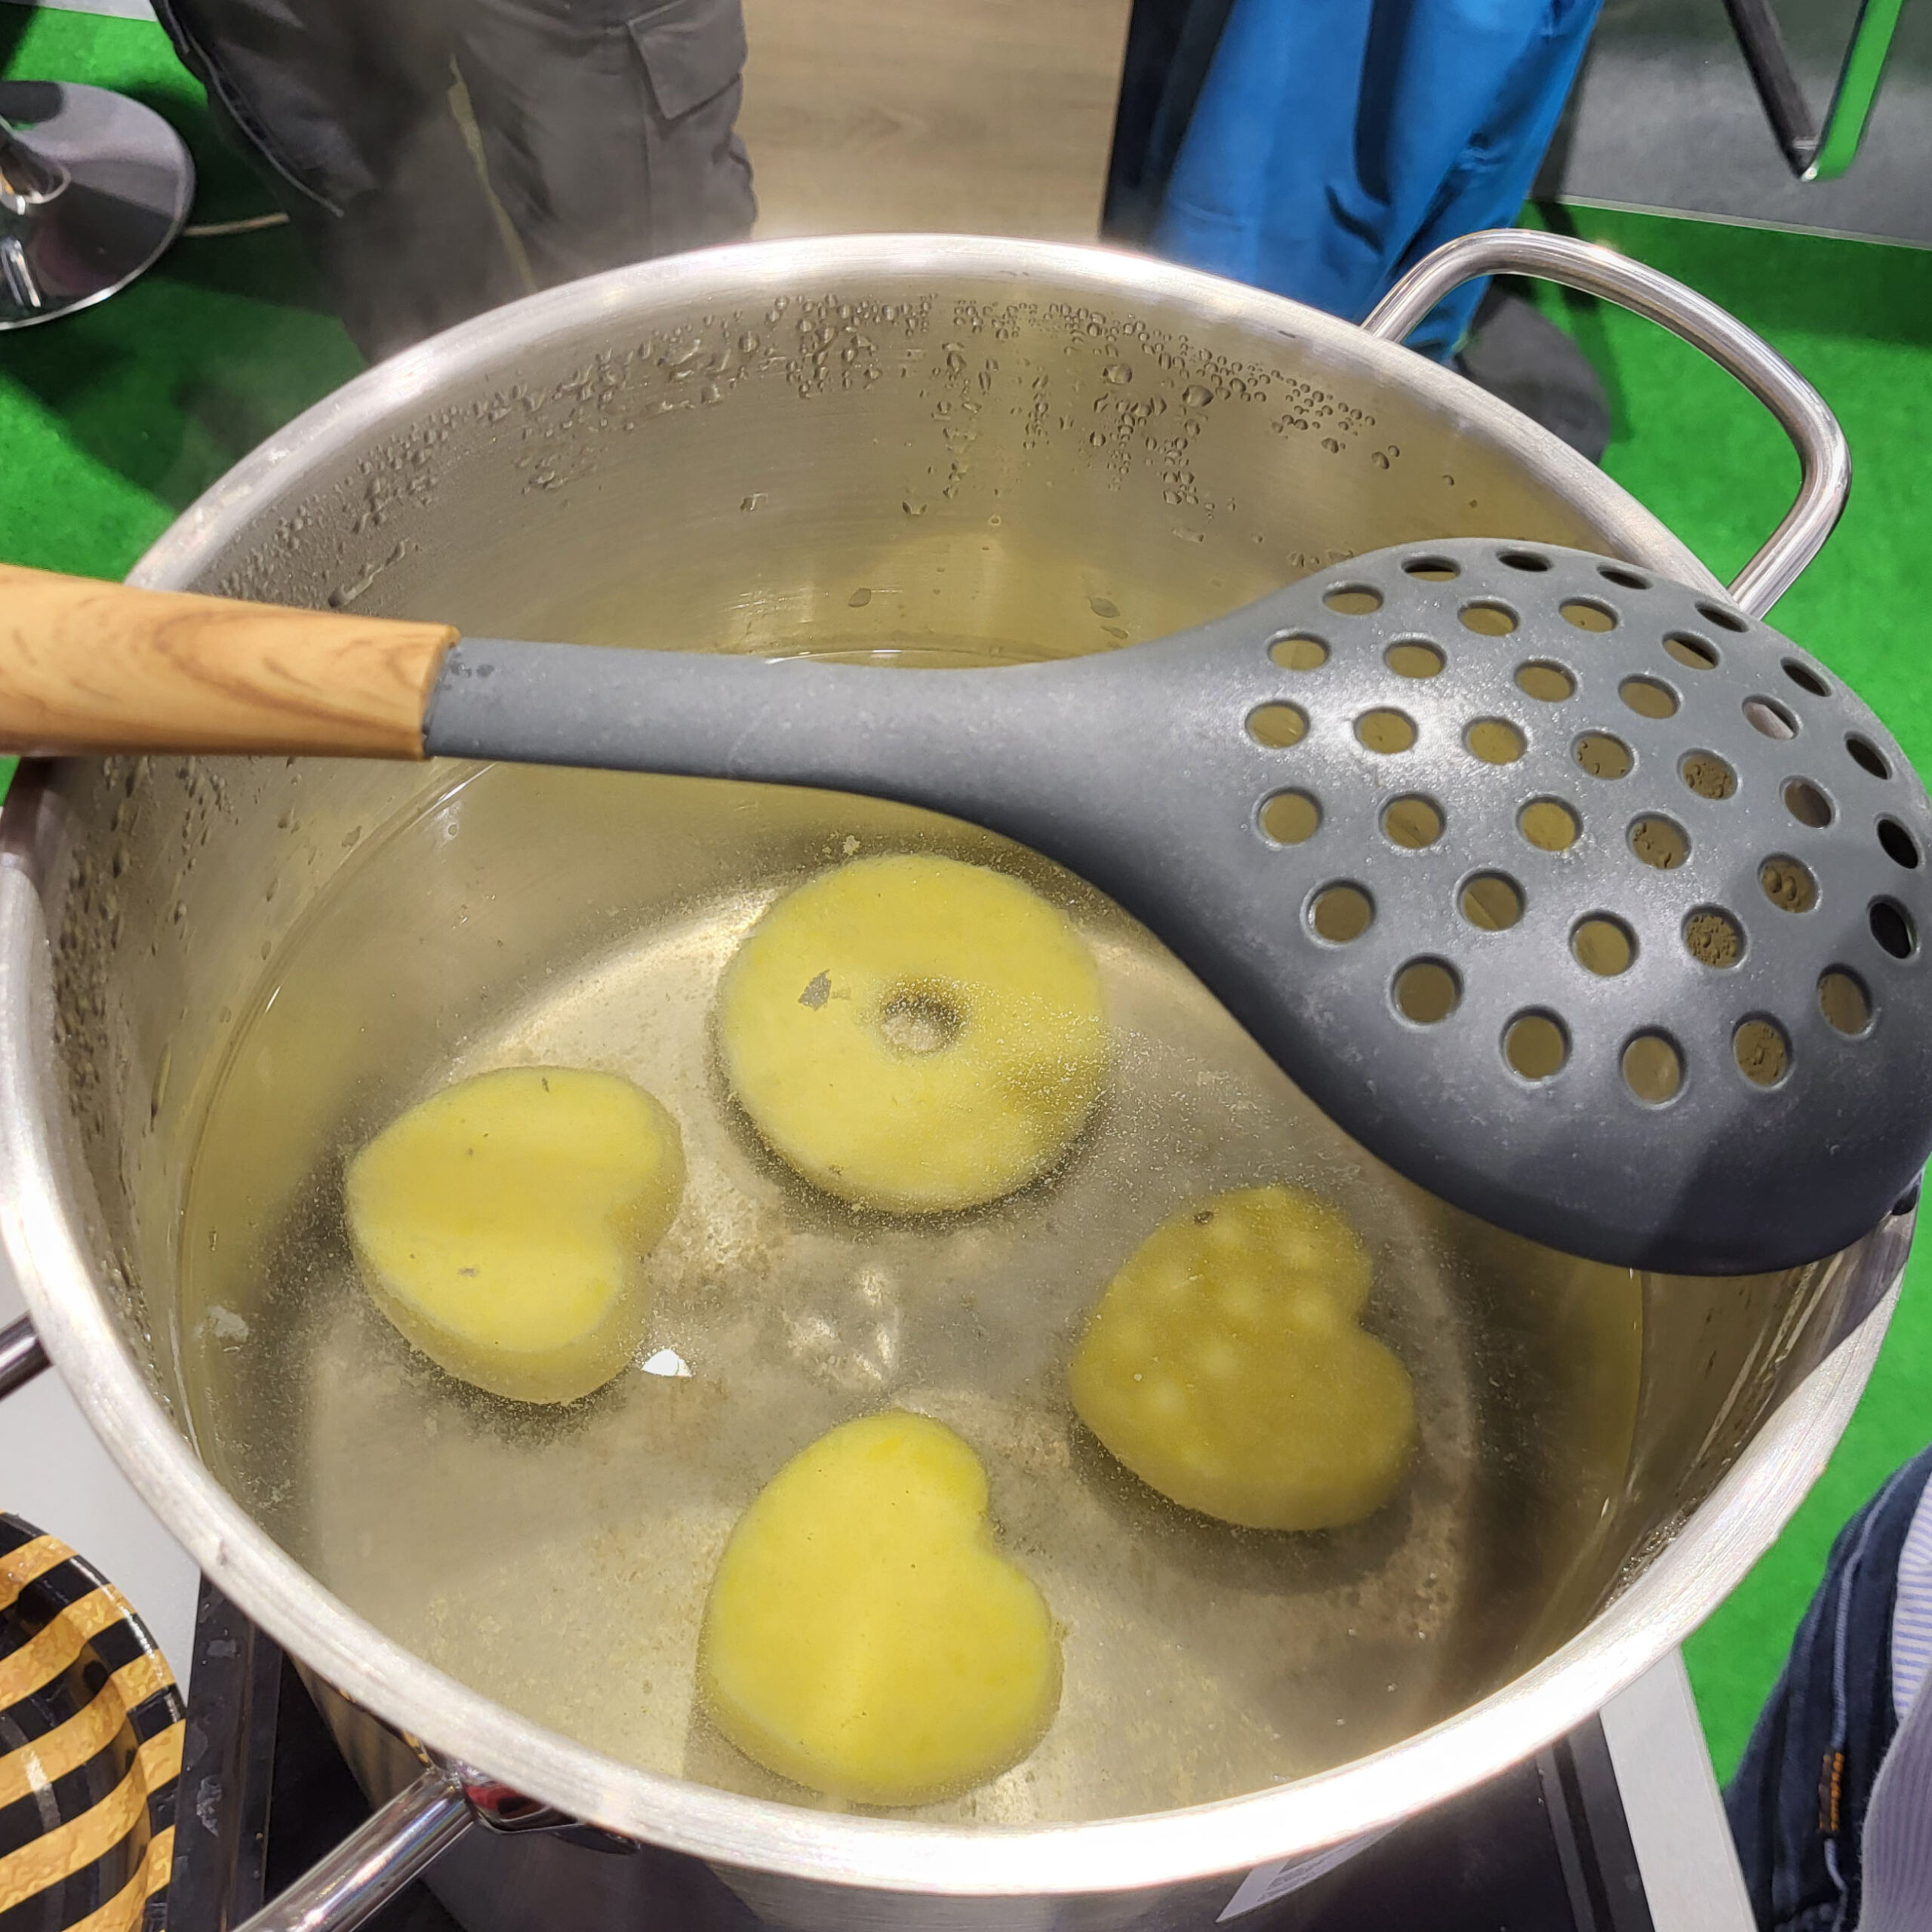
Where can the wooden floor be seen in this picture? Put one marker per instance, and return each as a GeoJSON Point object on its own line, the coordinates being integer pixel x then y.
{"type": "Point", "coordinates": [990, 117]}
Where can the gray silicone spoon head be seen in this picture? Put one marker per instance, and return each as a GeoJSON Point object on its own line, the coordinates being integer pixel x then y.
{"type": "Point", "coordinates": [1576, 896]}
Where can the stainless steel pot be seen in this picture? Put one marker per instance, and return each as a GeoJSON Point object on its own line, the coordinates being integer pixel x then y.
{"type": "Point", "coordinates": [916, 444]}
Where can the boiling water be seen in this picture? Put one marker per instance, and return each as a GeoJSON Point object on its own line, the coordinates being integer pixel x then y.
{"type": "Point", "coordinates": [558, 1560]}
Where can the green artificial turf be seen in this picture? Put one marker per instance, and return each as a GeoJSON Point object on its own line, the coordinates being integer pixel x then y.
{"type": "Point", "coordinates": [113, 420]}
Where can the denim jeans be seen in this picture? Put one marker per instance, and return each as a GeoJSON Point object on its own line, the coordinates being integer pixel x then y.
{"type": "Point", "coordinates": [1797, 1804]}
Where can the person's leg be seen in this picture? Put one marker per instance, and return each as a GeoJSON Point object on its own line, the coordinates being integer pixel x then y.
{"type": "Point", "coordinates": [345, 104]}
{"type": "Point", "coordinates": [1490, 179]}
{"type": "Point", "coordinates": [1330, 146]}
{"type": "Point", "coordinates": [1798, 1804]}
{"type": "Point", "coordinates": [609, 125]}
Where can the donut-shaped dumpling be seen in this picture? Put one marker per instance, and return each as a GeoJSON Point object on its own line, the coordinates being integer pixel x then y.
{"type": "Point", "coordinates": [913, 1033]}
{"type": "Point", "coordinates": [502, 1225]}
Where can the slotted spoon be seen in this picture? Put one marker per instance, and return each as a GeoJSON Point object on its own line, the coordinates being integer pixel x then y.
{"type": "Point", "coordinates": [1575, 895]}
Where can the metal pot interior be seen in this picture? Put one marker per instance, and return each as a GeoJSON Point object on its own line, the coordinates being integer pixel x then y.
{"type": "Point", "coordinates": [896, 453]}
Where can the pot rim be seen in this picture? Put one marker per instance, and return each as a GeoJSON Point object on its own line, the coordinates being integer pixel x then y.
{"type": "Point", "coordinates": [43, 1235]}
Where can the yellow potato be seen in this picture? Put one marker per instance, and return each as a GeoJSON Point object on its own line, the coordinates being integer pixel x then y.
{"type": "Point", "coordinates": [913, 1033]}
{"type": "Point", "coordinates": [501, 1225]}
{"type": "Point", "coordinates": [1224, 1366]}
{"type": "Point", "coordinates": [864, 1636]}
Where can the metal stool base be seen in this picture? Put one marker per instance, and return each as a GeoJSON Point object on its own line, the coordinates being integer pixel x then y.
{"type": "Point", "coordinates": [123, 186]}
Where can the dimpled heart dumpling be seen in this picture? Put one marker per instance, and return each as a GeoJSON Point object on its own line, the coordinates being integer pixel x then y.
{"type": "Point", "coordinates": [865, 1637]}
{"type": "Point", "coordinates": [502, 1225]}
{"type": "Point", "coordinates": [1226, 1366]}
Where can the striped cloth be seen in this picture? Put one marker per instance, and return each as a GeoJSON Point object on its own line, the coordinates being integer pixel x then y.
{"type": "Point", "coordinates": [91, 1740]}
{"type": "Point", "coordinates": [1911, 1613]}
{"type": "Point", "coordinates": [1896, 1850]}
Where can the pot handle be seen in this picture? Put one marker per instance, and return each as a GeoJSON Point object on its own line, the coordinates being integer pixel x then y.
{"type": "Point", "coordinates": [1824, 460]}
{"type": "Point", "coordinates": [397, 1844]}
{"type": "Point", "coordinates": [21, 1356]}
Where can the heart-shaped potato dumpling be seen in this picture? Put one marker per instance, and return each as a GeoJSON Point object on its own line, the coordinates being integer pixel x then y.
{"type": "Point", "coordinates": [502, 1225]}
{"type": "Point", "coordinates": [864, 1637]}
{"type": "Point", "coordinates": [1226, 1367]}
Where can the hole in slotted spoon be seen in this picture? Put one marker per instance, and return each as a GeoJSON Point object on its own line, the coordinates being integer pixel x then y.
{"type": "Point", "coordinates": [1788, 885]}
{"type": "Point", "coordinates": [1291, 818]}
{"type": "Point", "coordinates": [1771, 717]}
{"type": "Point", "coordinates": [1494, 740]}
{"type": "Point", "coordinates": [1276, 726]}
{"type": "Point", "coordinates": [1806, 804]}
{"type": "Point", "coordinates": [1412, 821]}
{"type": "Point", "coordinates": [1901, 847]}
{"type": "Point", "coordinates": [1426, 990]}
{"type": "Point", "coordinates": [1843, 1001]}
{"type": "Point", "coordinates": [1713, 938]}
{"type": "Point", "coordinates": [1603, 946]}
{"type": "Point", "coordinates": [1353, 600]}
{"type": "Point", "coordinates": [1492, 902]}
{"type": "Point", "coordinates": [1549, 825]}
{"type": "Point", "coordinates": [1298, 652]}
{"type": "Point", "coordinates": [1866, 755]}
{"type": "Point", "coordinates": [1892, 927]}
{"type": "Point", "coordinates": [1603, 756]}
{"type": "Point", "coordinates": [1802, 675]}
{"type": "Point", "coordinates": [1535, 1045]}
{"type": "Point", "coordinates": [1763, 1053]}
{"type": "Point", "coordinates": [1385, 731]}
{"type": "Point", "coordinates": [1549, 684]}
{"type": "Point", "coordinates": [1692, 652]}
{"type": "Point", "coordinates": [1707, 775]}
{"type": "Point", "coordinates": [1648, 698]}
{"type": "Point", "coordinates": [1658, 842]}
{"type": "Point", "coordinates": [1490, 619]}
{"type": "Point", "coordinates": [1340, 913]}
{"type": "Point", "coordinates": [1413, 658]}
{"type": "Point", "coordinates": [1652, 1068]}
{"type": "Point", "coordinates": [1584, 614]}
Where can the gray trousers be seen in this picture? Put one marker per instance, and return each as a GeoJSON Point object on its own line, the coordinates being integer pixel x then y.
{"type": "Point", "coordinates": [606, 127]}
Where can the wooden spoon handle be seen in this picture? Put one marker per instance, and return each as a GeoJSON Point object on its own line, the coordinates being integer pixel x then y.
{"type": "Point", "coordinates": [87, 666]}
